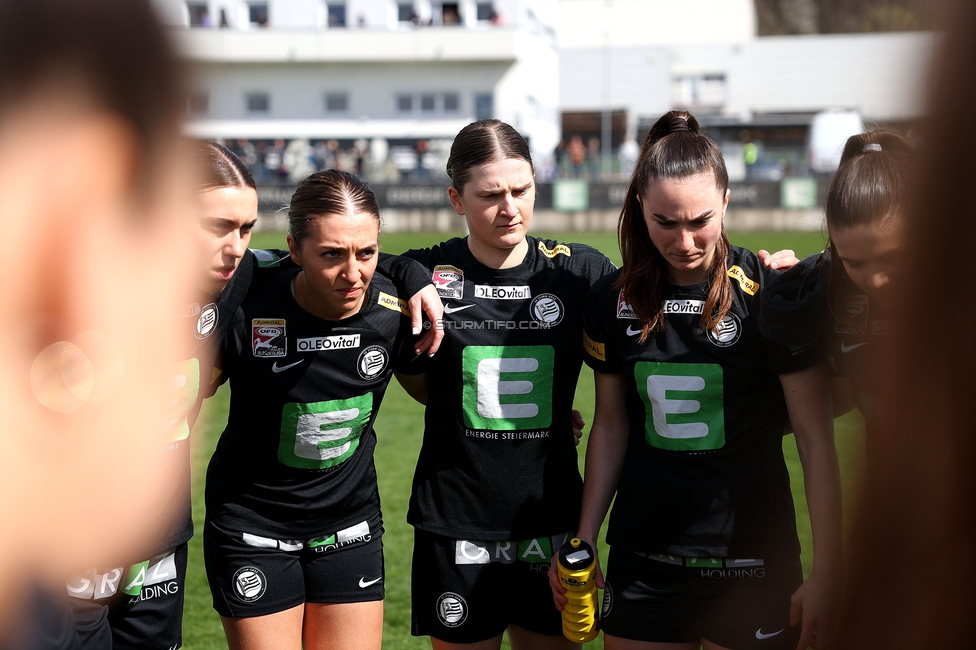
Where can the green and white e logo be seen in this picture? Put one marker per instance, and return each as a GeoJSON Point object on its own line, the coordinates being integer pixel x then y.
{"type": "Point", "coordinates": [507, 388]}
{"type": "Point", "coordinates": [322, 434]}
{"type": "Point", "coordinates": [683, 403]}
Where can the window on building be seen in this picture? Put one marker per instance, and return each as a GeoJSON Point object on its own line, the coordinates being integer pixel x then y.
{"type": "Point", "coordinates": [699, 90]}
{"type": "Point", "coordinates": [450, 13]}
{"type": "Point", "coordinates": [427, 103]}
{"type": "Point", "coordinates": [452, 102]}
{"type": "Point", "coordinates": [711, 90]}
{"type": "Point", "coordinates": [258, 103]}
{"type": "Point", "coordinates": [485, 11]}
{"type": "Point", "coordinates": [197, 104]}
{"type": "Point", "coordinates": [404, 103]}
{"type": "Point", "coordinates": [258, 13]}
{"type": "Point", "coordinates": [337, 14]}
{"type": "Point", "coordinates": [199, 14]}
{"type": "Point", "coordinates": [484, 106]}
{"type": "Point", "coordinates": [405, 12]}
{"type": "Point", "coordinates": [336, 102]}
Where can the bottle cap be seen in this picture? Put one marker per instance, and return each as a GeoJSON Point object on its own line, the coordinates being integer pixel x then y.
{"type": "Point", "coordinates": [576, 554]}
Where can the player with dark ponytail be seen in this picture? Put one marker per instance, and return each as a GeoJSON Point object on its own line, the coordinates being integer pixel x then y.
{"type": "Point", "coordinates": [842, 298]}
{"type": "Point", "coordinates": [691, 402]}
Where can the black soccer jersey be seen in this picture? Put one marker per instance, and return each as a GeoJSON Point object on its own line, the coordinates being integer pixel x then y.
{"type": "Point", "coordinates": [296, 458]}
{"type": "Point", "coordinates": [498, 459]}
{"type": "Point", "coordinates": [205, 323]}
{"type": "Point", "coordinates": [860, 327]}
{"type": "Point", "coordinates": [704, 474]}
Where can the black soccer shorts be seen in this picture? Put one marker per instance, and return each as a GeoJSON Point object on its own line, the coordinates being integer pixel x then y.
{"type": "Point", "coordinates": [132, 608]}
{"type": "Point", "coordinates": [252, 575]}
{"type": "Point", "coordinates": [742, 604]}
{"type": "Point", "coordinates": [466, 591]}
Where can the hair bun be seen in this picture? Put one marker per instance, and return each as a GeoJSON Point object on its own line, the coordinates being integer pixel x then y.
{"type": "Point", "coordinates": [678, 123]}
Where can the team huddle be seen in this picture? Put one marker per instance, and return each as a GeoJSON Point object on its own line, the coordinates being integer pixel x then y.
{"type": "Point", "coordinates": [704, 357]}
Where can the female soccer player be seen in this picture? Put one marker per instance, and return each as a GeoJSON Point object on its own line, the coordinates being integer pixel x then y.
{"type": "Point", "coordinates": [292, 540]}
{"type": "Point", "coordinates": [497, 487]}
{"type": "Point", "coordinates": [690, 406]}
{"type": "Point", "coordinates": [850, 286]}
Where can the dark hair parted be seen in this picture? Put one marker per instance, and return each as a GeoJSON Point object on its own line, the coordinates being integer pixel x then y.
{"type": "Point", "coordinates": [110, 55]}
{"type": "Point", "coordinates": [328, 192]}
{"type": "Point", "coordinates": [674, 148]}
{"type": "Point", "coordinates": [483, 142]}
{"type": "Point", "coordinates": [872, 183]}
{"type": "Point", "coordinates": [220, 167]}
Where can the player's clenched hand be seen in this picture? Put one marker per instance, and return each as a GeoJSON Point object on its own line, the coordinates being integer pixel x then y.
{"type": "Point", "coordinates": [814, 607]}
{"type": "Point", "coordinates": [781, 260]}
{"type": "Point", "coordinates": [426, 301]}
{"type": "Point", "coordinates": [578, 425]}
{"type": "Point", "coordinates": [558, 590]}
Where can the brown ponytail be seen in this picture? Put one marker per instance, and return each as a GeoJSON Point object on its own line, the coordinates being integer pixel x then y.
{"type": "Point", "coordinates": [674, 148]}
{"type": "Point", "coordinates": [870, 185]}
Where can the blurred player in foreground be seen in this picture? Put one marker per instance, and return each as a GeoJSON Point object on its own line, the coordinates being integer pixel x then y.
{"type": "Point", "coordinates": [915, 530]}
{"type": "Point", "coordinates": [94, 205]}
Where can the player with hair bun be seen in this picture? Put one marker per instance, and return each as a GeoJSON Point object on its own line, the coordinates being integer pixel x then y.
{"type": "Point", "coordinates": [843, 297]}
{"type": "Point", "coordinates": [497, 486]}
{"type": "Point", "coordinates": [691, 402]}
{"type": "Point", "coordinates": [292, 541]}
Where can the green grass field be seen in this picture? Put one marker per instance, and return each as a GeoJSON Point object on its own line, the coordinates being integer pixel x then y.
{"type": "Point", "coordinates": [399, 430]}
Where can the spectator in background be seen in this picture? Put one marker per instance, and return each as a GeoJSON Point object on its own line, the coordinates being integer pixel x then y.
{"type": "Point", "coordinates": [593, 158]}
{"type": "Point", "coordinates": [627, 156]}
{"type": "Point", "coordinates": [244, 149]}
{"type": "Point", "coordinates": [451, 16]}
{"type": "Point", "coordinates": [273, 159]}
{"type": "Point", "coordinates": [577, 156]}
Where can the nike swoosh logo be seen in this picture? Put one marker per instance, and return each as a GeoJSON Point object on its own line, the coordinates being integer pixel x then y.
{"type": "Point", "coordinates": [847, 348]}
{"type": "Point", "coordinates": [450, 310]}
{"type": "Point", "coordinates": [632, 332]}
{"type": "Point", "coordinates": [363, 584]}
{"type": "Point", "coordinates": [761, 636]}
{"type": "Point", "coordinates": [275, 367]}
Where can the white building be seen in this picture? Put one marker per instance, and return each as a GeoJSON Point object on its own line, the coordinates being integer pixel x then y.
{"type": "Point", "coordinates": [643, 57]}
{"type": "Point", "coordinates": [351, 69]}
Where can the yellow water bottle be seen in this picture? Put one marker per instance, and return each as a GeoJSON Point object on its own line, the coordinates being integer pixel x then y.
{"type": "Point", "coordinates": [577, 572]}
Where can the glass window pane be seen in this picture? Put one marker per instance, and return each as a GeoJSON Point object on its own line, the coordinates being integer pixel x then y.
{"type": "Point", "coordinates": [258, 13]}
{"type": "Point", "coordinates": [484, 106]}
{"type": "Point", "coordinates": [336, 102]}
{"type": "Point", "coordinates": [258, 102]}
{"type": "Point", "coordinates": [337, 14]}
